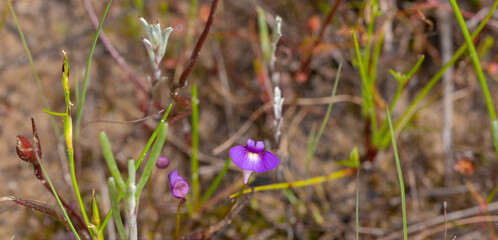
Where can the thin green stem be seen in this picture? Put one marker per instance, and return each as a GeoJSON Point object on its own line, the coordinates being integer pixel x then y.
{"type": "Point", "coordinates": [194, 163]}
{"type": "Point", "coordinates": [314, 141]}
{"type": "Point", "coordinates": [81, 102]}
{"type": "Point", "coordinates": [329, 110]}
{"type": "Point", "coordinates": [68, 135]}
{"type": "Point", "coordinates": [139, 160]}
{"type": "Point", "coordinates": [477, 65]}
{"type": "Point", "coordinates": [76, 189]}
{"type": "Point", "coordinates": [215, 182]}
{"type": "Point", "coordinates": [400, 174]}
{"type": "Point", "coordinates": [178, 214]}
{"type": "Point", "coordinates": [357, 211]}
{"type": "Point", "coordinates": [408, 113]}
{"type": "Point", "coordinates": [237, 197]}
{"type": "Point", "coordinates": [301, 183]}
{"type": "Point", "coordinates": [367, 90]}
{"type": "Point", "coordinates": [33, 68]}
{"type": "Point", "coordinates": [375, 58]}
{"type": "Point", "coordinates": [56, 195]}
{"type": "Point", "coordinates": [190, 23]}
{"type": "Point", "coordinates": [111, 184]}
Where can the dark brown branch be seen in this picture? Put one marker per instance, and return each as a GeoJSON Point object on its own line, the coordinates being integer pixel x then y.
{"type": "Point", "coordinates": [182, 81]}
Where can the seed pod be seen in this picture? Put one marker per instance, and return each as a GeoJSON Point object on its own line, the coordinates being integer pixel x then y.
{"type": "Point", "coordinates": [24, 150]}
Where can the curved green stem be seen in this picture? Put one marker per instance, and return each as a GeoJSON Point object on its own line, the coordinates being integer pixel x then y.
{"type": "Point", "coordinates": [301, 183]}
{"type": "Point", "coordinates": [178, 213]}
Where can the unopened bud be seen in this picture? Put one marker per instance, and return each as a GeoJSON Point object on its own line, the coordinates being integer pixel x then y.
{"type": "Point", "coordinates": [162, 162]}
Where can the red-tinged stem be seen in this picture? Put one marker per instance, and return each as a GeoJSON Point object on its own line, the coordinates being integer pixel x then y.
{"type": "Point", "coordinates": [182, 81]}
{"type": "Point", "coordinates": [306, 64]}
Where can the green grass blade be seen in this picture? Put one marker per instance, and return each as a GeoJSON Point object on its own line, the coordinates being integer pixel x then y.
{"type": "Point", "coordinates": [491, 195]}
{"type": "Point", "coordinates": [152, 138]}
{"type": "Point", "coordinates": [264, 35]}
{"type": "Point", "coordinates": [309, 148]}
{"type": "Point", "coordinates": [111, 162]}
{"type": "Point", "coordinates": [115, 209]}
{"type": "Point", "coordinates": [81, 102]}
{"type": "Point", "coordinates": [400, 174]}
{"type": "Point", "coordinates": [408, 113]}
{"type": "Point", "coordinates": [154, 154]}
{"type": "Point", "coordinates": [402, 79]}
{"type": "Point", "coordinates": [494, 132]}
{"type": "Point", "coordinates": [367, 105]}
{"type": "Point", "coordinates": [215, 182]}
{"type": "Point", "coordinates": [326, 118]}
{"type": "Point", "coordinates": [375, 58]}
{"type": "Point", "coordinates": [33, 68]}
{"type": "Point", "coordinates": [56, 195]}
{"type": "Point", "coordinates": [194, 162]}
{"type": "Point", "coordinates": [139, 160]}
{"type": "Point", "coordinates": [477, 66]}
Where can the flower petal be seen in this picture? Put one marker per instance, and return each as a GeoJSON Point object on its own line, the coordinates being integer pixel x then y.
{"type": "Point", "coordinates": [268, 162]}
{"type": "Point", "coordinates": [238, 154]}
{"type": "Point", "coordinates": [255, 148]}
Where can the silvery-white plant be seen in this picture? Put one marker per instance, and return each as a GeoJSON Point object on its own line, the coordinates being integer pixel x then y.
{"type": "Point", "coordinates": [278, 102]}
{"type": "Point", "coordinates": [155, 44]}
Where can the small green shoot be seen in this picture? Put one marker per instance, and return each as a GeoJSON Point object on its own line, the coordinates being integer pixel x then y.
{"type": "Point", "coordinates": [264, 35]}
{"type": "Point", "coordinates": [400, 174]}
{"type": "Point", "coordinates": [477, 65]}
{"type": "Point", "coordinates": [194, 162]}
{"type": "Point", "coordinates": [82, 95]}
{"type": "Point", "coordinates": [316, 140]}
{"type": "Point", "coordinates": [215, 182]}
{"type": "Point", "coordinates": [111, 162]}
{"type": "Point", "coordinates": [113, 196]}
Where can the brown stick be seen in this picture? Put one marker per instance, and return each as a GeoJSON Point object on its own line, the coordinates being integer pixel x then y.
{"type": "Point", "coordinates": [182, 81]}
{"type": "Point", "coordinates": [304, 68]}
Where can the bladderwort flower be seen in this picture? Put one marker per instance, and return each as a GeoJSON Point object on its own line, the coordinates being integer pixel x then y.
{"type": "Point", "coordinates": [155, 43]}
{"type": "Point", "coordinates": [179, 187]}
{"type": "Point", "coordinates": [162, 162]}
{"type": "Point", "coordinates": [252, 158]}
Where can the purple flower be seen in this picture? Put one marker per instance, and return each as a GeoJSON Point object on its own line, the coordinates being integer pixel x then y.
{"type": "Point", "coordinates": [252, 158]}
{"type": "Point", "coordinates": [162, 162]}
{"type": "Point", "coordinates": [178, 185]}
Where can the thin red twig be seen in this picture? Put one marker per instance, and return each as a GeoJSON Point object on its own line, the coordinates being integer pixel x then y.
{"type": "Point", "coordinates": [304, 68]}
{"type": "Point", "coordinates": [182, 81]}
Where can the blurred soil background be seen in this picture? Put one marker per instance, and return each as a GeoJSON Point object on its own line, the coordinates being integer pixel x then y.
{"type": "Point", "coordinates": [230, 93]}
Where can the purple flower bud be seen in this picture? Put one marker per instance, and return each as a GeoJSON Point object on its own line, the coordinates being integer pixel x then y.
{"type": "Point", "coordinates": [178, 185]}
{"type": "Point", "coordinates": [253, 158]}
{"type": "Point", "coordinates": [162, 162]}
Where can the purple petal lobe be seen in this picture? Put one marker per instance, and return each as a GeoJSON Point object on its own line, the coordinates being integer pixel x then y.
{"type": "Point", "coordinates": [239, 154]}
{"type": "Point", "coordinates": [173, 175]}
{"type": "Point", "coordinates": [268, 162]}
{"type": "Point", "coordinates": [254, 148]}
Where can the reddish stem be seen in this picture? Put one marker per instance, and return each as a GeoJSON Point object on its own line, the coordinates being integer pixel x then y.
{"type": "Point", "coordinates": [182, 81]}
{"type": "Point", "coordinates": [304, 68]}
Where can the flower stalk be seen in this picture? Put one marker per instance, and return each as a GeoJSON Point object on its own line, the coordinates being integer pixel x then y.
{"type": "Point", "coordinates": [68, 136]}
